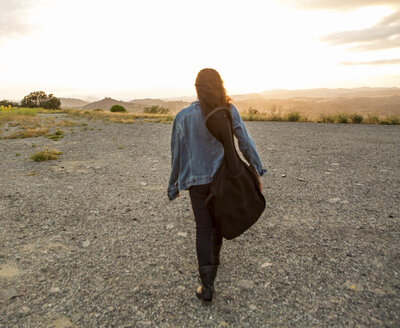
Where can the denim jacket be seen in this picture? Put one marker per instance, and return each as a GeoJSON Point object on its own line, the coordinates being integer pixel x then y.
{"type": "Point", "coordinates": [197, 154]}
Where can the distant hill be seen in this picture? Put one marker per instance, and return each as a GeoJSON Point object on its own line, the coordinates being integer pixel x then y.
{"type": "Point", "coordinates": [136, 105]}
{"type": "Point", "coordinates": [72, 103]}
{"type": "Point", "coordinates": [174, 106]}
{"type": "Point", "coordinates": [107, 103]}
{"type": "Point", "coordinates": [313, 102]}
{"type": "Point", "coordinates": [331, 93]}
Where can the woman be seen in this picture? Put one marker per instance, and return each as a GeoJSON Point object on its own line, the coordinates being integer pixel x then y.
{"type": "Point", "coordinates": [196, 156]}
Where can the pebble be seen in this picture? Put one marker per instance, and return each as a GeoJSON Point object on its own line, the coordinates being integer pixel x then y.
{"type": "Point", "coordinates": [333, 200]}
{"type": "Point", "coordinates": [86, 243]}
{"type": "Point", "coordinates": [182, 234]}
{"type": "Point", "coordinates": [265, 264]}
{"type": "Point", "coordinates": [55, 290]}
{"type": "Point", "coordinates": [7, 294]}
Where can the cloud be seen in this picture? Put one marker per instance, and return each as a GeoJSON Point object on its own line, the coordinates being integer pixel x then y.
{"type": "Point", "coordinates": [339, 4]}
{"type": "Point", "coordinates": [375, 62]}
{"type": "Point", "coordinates": [384, 35]}
{"type": "Point", "coordinates": [14, 16]}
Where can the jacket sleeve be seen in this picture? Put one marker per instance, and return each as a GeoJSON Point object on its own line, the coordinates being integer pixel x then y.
{"type": "Point", "coordinates": [246, 143]}
{"type": "Point", "coordinates": [175, 160]}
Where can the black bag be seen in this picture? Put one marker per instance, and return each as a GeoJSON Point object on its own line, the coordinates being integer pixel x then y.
{"type": "Point", "coordinates": [235, 199]}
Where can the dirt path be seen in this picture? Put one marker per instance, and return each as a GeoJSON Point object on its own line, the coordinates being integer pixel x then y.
{"type": "Point", "coordinates": [90, 240]}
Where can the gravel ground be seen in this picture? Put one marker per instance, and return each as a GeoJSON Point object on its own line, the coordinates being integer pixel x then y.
{"type": "Point", "coordinates": [91, 240]}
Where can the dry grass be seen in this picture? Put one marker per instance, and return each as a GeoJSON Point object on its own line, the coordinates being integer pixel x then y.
{"type": "Point", "coordinates": [45, 155]}
{"type": "Point", "coordinates": [27, 133]}
{"type": "Point", "coordinates": [126, 118]}
{"type": "Point", "coordinates": [66, 123]}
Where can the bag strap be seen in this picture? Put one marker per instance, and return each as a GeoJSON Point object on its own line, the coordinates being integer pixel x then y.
{"type": "Point", "coordinates": [215, 110]}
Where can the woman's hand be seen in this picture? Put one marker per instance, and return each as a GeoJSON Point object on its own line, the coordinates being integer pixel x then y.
{"type": "Point", "coordinates": [259, 179]}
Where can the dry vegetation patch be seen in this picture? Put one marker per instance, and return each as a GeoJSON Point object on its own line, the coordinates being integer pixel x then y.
{"type": "Point", "coordinates": [45, 155]}
{"type": "Point", "coordinates": [121, 117]}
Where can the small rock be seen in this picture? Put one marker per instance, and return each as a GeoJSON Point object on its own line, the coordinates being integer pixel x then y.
{"type": "Point", "coordinates": [283, 176]}
{"type": "Point", "coordinates": [252, 307]}
{"type": "Point", "coordinates": [335, 164]}
{"type": "Point", "coordinates": [345, 202]}
{"type": "Point", "coordinates": [247, 284]}
{"type": "Point", "coordinates": [55, 290]}
{"type": "Point", "coordinates": [143, 183]}
{"type": "Point", "coordinates": [182, 234]}
{"type": "Point", "coordinates": [86, 243]}
{"type": "Point", "coordinates": [333, 200]}
{"type": "Point", "coordinates": [265, 264]}
{"type": "Point", "coordinates": [25, 310]}
{"type": "Point", "coordinates": [181, 288]}
{"type": "Point", "coordinates": [8, 294]}
{"type": "Point", "coordinates": [170, 226]}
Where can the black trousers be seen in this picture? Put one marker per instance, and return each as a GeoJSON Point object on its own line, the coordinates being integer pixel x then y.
{"type": "Point", "coordinates": [207, 238]}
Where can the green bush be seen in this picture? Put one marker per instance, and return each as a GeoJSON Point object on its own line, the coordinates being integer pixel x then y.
{"type": "Point", "coordinates": [117, 108]}
{"type": "Point", "coordinates": [156, 110]}
{"type": "Point", "coordinates": [356, 118]}
{"type": "Point", "coordinates": [293, 116]}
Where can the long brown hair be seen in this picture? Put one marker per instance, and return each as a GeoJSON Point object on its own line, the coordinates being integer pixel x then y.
{"type": "Point", "coordinates": [210, 90]}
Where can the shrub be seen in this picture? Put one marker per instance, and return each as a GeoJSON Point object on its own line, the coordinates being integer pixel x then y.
{"type": "Point", "coordinates": [156, 110]}
{"type": "Point", "coordinates": [342, 118]}
{"type": "Point", "coordinates": [356, 118]}
{"type": "Point", "coordinates": [45, 155]}
{"type": "Point", "coordinates": [117, 108]}
{"type": "Point", "coordinates": [293, 116]}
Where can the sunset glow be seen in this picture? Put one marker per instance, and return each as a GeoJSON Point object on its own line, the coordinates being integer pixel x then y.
{"type": "Point", "coordinates": [134, 49]}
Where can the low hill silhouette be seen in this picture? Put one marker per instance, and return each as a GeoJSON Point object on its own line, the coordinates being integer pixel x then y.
{"type": "Point", "coordinates": [72, 103]}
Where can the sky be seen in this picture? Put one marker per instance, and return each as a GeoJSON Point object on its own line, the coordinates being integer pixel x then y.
{"type": "Point", "coordinates": [129, 49]}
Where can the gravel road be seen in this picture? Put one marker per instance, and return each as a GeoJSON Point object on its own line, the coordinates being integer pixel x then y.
{"type": "Point", "coordinates": [91, 240]}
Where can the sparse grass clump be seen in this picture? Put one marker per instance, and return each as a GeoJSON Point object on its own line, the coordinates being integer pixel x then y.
{"type": "Point", "coordinates": [28, 133]}
{"type": "Point", "coordinates": [117, 109]}
{"type": "Point", "coordinates": [393, 120]}
{"type": "Point", "coordinates": [356, 118]}
{"type": "Point", "coordinates": [45, 155]}
{"type": "Point", "coordinates": [371, 119]}
{"type": "Point", "coordinates": [57, 135]}
{"type": "Point", "coordinates": [326, 118]}
{"type": "Point", "coordinates": [156, 110]}
{"type": "Point", "coordinates": [293, 116]}
{"type": "Point", "coordinates": [342, 118]}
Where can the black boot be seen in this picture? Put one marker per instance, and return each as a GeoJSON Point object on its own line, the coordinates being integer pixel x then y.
{"type": "Point", "coordinates": [215, 250]}
{"type": "Point", "coordinates": [207, 277]}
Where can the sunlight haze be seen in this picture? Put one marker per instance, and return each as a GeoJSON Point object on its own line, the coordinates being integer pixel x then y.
{"type": "Point", "coordinates": [135, 49]}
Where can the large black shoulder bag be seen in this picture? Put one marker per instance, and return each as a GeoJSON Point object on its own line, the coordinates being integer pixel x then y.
{"type": "Point", "coordinates": [235, 197]}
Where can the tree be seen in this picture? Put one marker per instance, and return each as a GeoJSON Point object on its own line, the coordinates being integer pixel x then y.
{"type": "Point", "coordinates": [40, 99]}
{"type": "Point", "coordinates": [52, 102]}
{"type": "Point", "coordinates": [7, 103]}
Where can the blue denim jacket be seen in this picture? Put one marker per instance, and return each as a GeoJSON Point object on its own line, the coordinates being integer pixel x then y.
{"type": "Point", "coordinates": [197, 155]}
